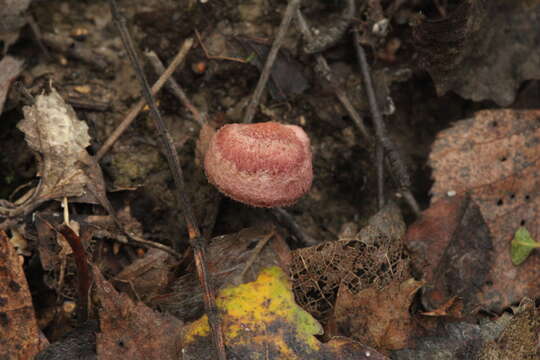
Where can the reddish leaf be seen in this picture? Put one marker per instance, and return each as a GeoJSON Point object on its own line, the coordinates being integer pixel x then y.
{"type": "Point", "coordinates": [453, 250]}
{"type": "Point", "coordinates": [20, 337]}
{"type": "Point", "coordinates": [494, 158]}
{"type": "Point", "coordinates": [132, 330]}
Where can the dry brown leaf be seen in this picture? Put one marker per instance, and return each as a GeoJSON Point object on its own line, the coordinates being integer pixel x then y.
{"type": "Point", "coordinates": [226, 258]}
{"type": "Point", "coordinates": [452, 248]}
{"type": "Point", "coordinates": [371, 258]}
{"type": "Point", "coordinates": [483, 50]}
{"type": "Point", "coordinates": [495, 158]}
{"type": "Point", "coordinates": [148, 275]}
{"type": "Point", "coordinates": [132, 330]}
{"type": "Point", "coordinates": [20, 337]}
{"type": "Point", "coordinates": [378, 318]}
{"type": "Point", "coordinates": [260, 320]}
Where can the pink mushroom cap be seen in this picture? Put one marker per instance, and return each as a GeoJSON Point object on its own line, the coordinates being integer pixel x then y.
{"type": "Point", "coordinates": [263, 164]}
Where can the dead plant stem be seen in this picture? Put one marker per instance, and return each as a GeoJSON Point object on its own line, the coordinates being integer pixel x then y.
{"type": "Point", "coordinates": [265, 74]}
{"type": "Point", "coordinates": [135, 109]}
{"type": "Point", "coordinates": [196, 240]}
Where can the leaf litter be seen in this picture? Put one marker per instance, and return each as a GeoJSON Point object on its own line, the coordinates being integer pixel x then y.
{"type": "Point", "coordinates": [494, 157]}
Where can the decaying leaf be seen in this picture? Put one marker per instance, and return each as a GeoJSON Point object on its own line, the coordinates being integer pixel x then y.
{"type": "Point", "coordinates": [20, 337]}
{"type": "Point", "coordinates": [261, 321]}
{"type": "Point", "coordinates": [59, 140]}
{"type": "Point", "coordinates": [483, 50]}
{"type": "Point", "coordinates": [132, 330]}
{"type": "Point", "coordinates": [378, 318]}
{"type": "Point", "coordinates": [452, 341]}
{"type": "Point", "coordinates": [372, 257]}
{"type": "Point", "coordinates": [51, 128]}
{"type": "Point", "coordinates": [286, 77]}
{"type": "Point", "coordinates": [453, 249]}
{"type": "Point", "coordinates": [10, 68]}
{"type": "Point", "coordinates": [147, 275]}
{"type": "Point", "coordinates": [519, 339]}
{"type": "Point", "coordinates": [507, 337]}
{"type": "Point", "coordinates": [78, 344]}
{"type": "Point", "coordinates": [226, 256]}
{"type": "Point", "coordinates": [522, 246]}
{"type": "Point", "coordinates": [494, 158]}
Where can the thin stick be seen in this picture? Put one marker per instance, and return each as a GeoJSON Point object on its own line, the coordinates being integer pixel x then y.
{"type": "Point", "coordinates": [324, 71]}
{"type": "Point", "coordinates": [135, 109]}
{"type": "Point", "coordinates": [196, 240]}
{"type": "Point", "coordinates": [263, 79]}
{"type": "Point", "coordinates": [174, 87]}
{"type": "Point", "coordinates": [256, 251]}
{"type": "Point", "coordinates": [379, 160]}
{"type": "Point", "coordinates": [393, 155]}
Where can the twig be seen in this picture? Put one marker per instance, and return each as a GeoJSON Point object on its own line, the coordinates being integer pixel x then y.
{"type": "Point", "coordinates": [263, 79]}
{"type": "Point", "coordinates": [135, 109]}
{"type": "Point", "coordinates": [174, 87]}
{"type": "Point", "coordinates": [395, 162]}
{"type": "Point", "coordinates": [379, 160]}
{"type": "Point", "coordinates": [323, 70]}
{"type": "Point", "coordinates": [196, 240]}
{"type": "Point", "coordinates": [36, 32]}
{"type": "Point", "coordinates": [256, 251]}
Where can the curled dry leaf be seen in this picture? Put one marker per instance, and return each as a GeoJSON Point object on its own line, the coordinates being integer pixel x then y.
{"type": "Point", "coordinates": [261, 321]}
{"type": "Point", "coordinates": [378, 318]}
{"type": "Point", "coordinates": [20, 337]}
{"type": "Point", "coordinates": [483, 50]}
{"type": "Point", "coordinates": [495, 158]}
{"type": "Point", "coordinates": [132, 330]}
{"type": "Point", "coordinates": [52, 129]}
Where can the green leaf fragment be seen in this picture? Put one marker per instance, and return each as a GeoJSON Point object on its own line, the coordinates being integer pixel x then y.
{"type": "Point", "coordinates": [522, 245]}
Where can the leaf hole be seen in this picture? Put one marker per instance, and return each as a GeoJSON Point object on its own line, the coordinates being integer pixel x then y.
{"type": "Point", "coordinates": [494, 124]}
{"type": "Point", "coordinates": [512, 196]}
{"type": "Point", "coordinates": [121, 343]}
{"type": "Point", "coordinates": [527, 197]}
{"type": "Point", "coordinates": [503, 159]}
{"type": "Point", "coordinates": [499, 202]}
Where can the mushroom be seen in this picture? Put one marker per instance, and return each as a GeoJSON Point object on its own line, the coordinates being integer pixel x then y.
{"type": "Point", "coordinates": [264, 164]}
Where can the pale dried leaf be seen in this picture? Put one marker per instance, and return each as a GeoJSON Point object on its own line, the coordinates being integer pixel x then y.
{"type": "Point", "coordinates": [52, 129]}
